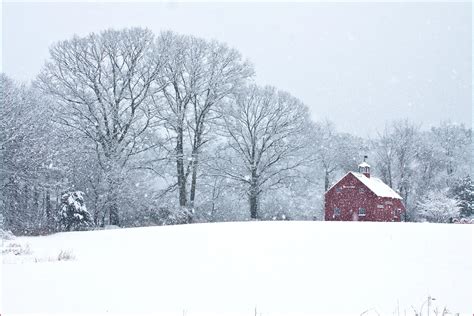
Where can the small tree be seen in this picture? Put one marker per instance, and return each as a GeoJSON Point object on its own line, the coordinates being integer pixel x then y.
{"type": "Point", "coordinates": [73, 213]}
{"type": "Point", "coordinates": [438, 207]}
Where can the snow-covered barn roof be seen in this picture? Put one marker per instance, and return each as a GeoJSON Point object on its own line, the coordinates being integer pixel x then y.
{"type": "Point", "coordinates": [377, 186]}
{"type": "Point", "coordinates": [373, 184]}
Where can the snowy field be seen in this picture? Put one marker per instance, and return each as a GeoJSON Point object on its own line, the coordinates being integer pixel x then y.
{"type": "Point", "coordinates": [283, 268]}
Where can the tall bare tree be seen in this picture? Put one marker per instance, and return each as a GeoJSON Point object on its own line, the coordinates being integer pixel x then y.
{"type": "Point", "coordinates": [326, 149]}
{"type": "Point", "coordinates": [266, 132]}
{"type": "Point", "coordinates": [455, 141]}
{"type": "Point", "coordinates": [26, 152]}
{"type": "Point", "coordinates": [385, 155]}
{"type": "Point", "coordinates": [406, 135]}
{"type": "Point", "coordinates": [103, 84]}
{"type": "Point", "coordinates": [396, 152]}
{"type": "Point", "coordinates": [334, 151]}
{"type": "Point", "coordinates": [197, 76]}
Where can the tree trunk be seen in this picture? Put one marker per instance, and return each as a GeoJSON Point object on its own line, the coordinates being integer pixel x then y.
{"type": "Point", "coordinates": [213, 211]}
{"type": "Point", "coordinates": [114, 214]}
{"type": "Point", "coordinates": [215, 195]}
{"type": "Point", "coordinates": [406, 206]}
{"type": "Point", "coordinates": [390, 182]}
{"type": "Point", "coordinates": [96, 211]}
{"type": "Point", "coordinates": [180, 169]}
{"type": "Point", "coordinates": [196, 145]}
{"type": "Point", "coordinates": [69, 226]}
{"type": "Point", "coordinates": [253, 206]}
{"type": "Point", "coordinates": [193, 182]}
{"type": "Point", "coordinates": [48, 205]}
{"type": "Point", "coordinates": [10, 217]}
{"type": "Point", "coordinates": [36, 208]}
{"type": "Point", "coordinates": [26, 196]}
{"type": "Point", "coordinates": [253, 195]}
{"type": "Point", "coordinates": [326, 181]}
{"type": "Point", "coordinates": [102, 223]}
{"type": "Point", "coordinates": [112, 198]}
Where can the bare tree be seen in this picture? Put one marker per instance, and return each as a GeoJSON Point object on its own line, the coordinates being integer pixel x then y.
{"type": "Point", "coordinates": [430, 164]}
{"type": "Point", "coordinates": [385, 155]}
{"type": "Point", "coordinates": [197, 76]}
{"type": "Point", "coordinates": [326, 149]}
{"type": "Point", "coordinates": [26, 151]}
{"type": "Point", "coordinates": [397, 157]}
{"type": "Point", "coordinates": [265, 129]}
{"type": "Point", "coordinates": [334, 151]}
{"type": "Point", "coordinates": [103, 85]}
{"type": "Point", "coordinates": [455, 141]}
{"type": "Point", "coordinates": [18, 153]}
{"type": "Point", "coordinates": [406, 135]}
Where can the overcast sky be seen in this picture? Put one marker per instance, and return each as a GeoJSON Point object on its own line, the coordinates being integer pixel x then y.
{"type": "Point", "coordinates": [356, 64]}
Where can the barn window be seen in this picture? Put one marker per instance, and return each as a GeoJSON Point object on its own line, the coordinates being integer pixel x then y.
{"type": "Point", "coordinates": [389, 202]}
{"type": "Point", "coordinates": [379, 206]}
{"type": "Point", "coordinates": [337, 211]}
{"type": "Point", "coordinates": [361, 190]}
{"type": "Point", "coordinates": [338, 190]}
{"type": "Point", "coordinates": [362, 211]}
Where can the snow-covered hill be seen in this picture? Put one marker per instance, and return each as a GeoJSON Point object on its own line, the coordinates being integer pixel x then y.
{"type": "Point", "coordinates": [283, 268]}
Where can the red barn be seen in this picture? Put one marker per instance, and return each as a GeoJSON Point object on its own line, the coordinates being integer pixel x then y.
{"type": "Point", "coordinates": [360, 197]}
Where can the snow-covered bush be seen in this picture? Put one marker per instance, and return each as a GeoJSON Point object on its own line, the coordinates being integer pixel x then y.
{"type": "Point", "coordinates": [463, 220]}
{"type": "Point", "coordinates": [6, 235]}
{"type": "Point", "coordinates": [175, 216]}
{"type": "Point", "coordinates": [73, 213]}
{"type": "Point", "coordinates": [65, 255]}
{"type": "Point", "coordinates": [16, 249]}
{"type": "Point", "coordinates": [438, 207]}
{"type": "Point", "coordinates": [109, 227]}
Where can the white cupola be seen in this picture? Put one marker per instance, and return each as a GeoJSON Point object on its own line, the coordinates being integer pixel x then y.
{"type": "Point", "coordinates": [364, 168]}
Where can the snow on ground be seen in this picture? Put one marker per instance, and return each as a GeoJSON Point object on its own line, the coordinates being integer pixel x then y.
{"type": "Point", "coordinates": [283, 268]}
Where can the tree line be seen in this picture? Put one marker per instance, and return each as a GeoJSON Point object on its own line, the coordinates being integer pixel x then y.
{"type": "Point", "coordinates": [170, 128]}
